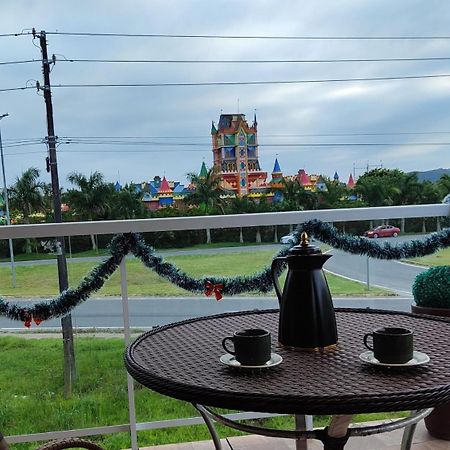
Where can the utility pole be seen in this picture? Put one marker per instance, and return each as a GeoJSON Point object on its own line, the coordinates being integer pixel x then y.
{"type": "Point", "coordinates": [8, 217]}
{"type": "Point", "coordinates": [52, 166]}
{"type": "Point", "coordinates": [367, 167]}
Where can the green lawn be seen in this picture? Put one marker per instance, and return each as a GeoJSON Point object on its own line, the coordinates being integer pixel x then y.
{"type": "Point", "coordinates": [31, 395]}
{"type": "Point", "coordinates": [440, 258]}
{"type": "Point", "coordinates": [103, 251]}
{"type": "Point", "coordinates": [42, 281]}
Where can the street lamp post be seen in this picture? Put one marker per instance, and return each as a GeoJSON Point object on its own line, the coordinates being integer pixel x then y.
{"type": "Point", "coordinates": [5, 198]}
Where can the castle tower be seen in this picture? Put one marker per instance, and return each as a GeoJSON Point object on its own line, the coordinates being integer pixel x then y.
{"type": "Point", "coordinates": [165, 194]}
{"type": "Point", "coordinates": [235, 154]}
{"type": "Point", "coordinates": [203, 171]}
{"type": "Point", "coordinates": [276, 183]}
{"type": "Point", "coordinates": [350, 182]}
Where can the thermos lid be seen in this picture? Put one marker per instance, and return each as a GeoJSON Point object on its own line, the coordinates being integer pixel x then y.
{"type": "Point", "coordinates": [304, 247]}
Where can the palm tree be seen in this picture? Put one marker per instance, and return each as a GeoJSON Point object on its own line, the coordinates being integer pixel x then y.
{"type": "Point", "coordinates": [26, 196]}
{"type": "Point", "coordinates": [444, 185]}
{"type": "Point", "coordinates": [207, 195]}
{"type": "Point", "coordinates": [128, 204]}
{"type": "Point", "coordinates": [408, 189]}
{"type": "Point", "coordinates": [208, 191]}
{"type": "Point", "coordinates": [92, 199]}
{"type": "Point", "coordinates": [335, 194]}
{"type": "Point", "coordinates": [296, 197]}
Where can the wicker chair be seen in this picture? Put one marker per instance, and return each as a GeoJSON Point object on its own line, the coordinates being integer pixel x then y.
{"type": "Point", "coordinates": [70, 443]}
{"type": "Point", "coordinates": [59, 445]}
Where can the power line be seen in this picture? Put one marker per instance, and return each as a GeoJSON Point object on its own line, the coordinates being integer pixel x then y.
{"type": "Point", "coordinates": [243, 83]}
{"type": "Point", "coordinates": [17, 88]}
{"type": "Point", "coordinates": [22, 144]}
{"type": "Point", "coordinates": [81, 139]}
{"type": "Point", "coordinates": [263, 135]}
{"type": "Point", "coordinates": [232, 83]}
{"type": "Point", "coordinates": [273, 37]}
{"type": "Point", "coordinates": [240, 61]}
{"type": "Point", "coordinates": [16, 34]}
{"type": "Point", "coordinates": [189, 150]}
{"type": "Point", "coordinates": [25, 61]}
{"type": "Point", "coordinates": [294, 144]}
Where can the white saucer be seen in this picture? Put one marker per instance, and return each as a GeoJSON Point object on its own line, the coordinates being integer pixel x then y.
{"type": "Point", "coordinates": [231, 361]}
{"type": "Point", "coordinates": [418, 359]}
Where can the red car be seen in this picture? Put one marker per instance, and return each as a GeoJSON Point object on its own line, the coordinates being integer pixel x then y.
{"type": "Point", "coordinates": [383, 231]}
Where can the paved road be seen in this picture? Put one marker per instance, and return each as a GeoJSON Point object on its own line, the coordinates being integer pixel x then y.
{"type": "Point", "coordinates": [149, 312]}
{"type": "Point", "coordinates": [156, 311]}
{"type": "Point", "coordinates": [393, 275]}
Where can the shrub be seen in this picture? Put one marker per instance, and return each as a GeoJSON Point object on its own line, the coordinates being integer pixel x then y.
{"type": "Point", "coordinates": [432, 288]}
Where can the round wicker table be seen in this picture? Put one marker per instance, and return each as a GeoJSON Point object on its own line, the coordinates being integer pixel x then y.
{"type": "Point", "coordinates": [181, 360]}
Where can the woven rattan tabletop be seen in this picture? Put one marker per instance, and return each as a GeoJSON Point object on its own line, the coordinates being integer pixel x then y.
{"type": "Point", "coordinates": [181, 360]}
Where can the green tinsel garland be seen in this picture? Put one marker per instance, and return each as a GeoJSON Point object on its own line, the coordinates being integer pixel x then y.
{"type": "Point", "coordinates": [121, 245]}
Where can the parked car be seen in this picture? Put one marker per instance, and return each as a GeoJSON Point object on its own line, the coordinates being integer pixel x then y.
{"type": "Point", "coordinates": [383, 231]}
{"type": "Point", "coordinates": [288, 239]}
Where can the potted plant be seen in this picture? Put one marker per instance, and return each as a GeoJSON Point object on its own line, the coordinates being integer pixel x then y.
{"type": "Point", "coordinates": [431, 290]}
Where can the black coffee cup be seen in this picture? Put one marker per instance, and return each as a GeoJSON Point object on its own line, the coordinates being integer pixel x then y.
{"type": "Point", "coordinates": [251, 346]}
{"type": "Point", "coordinates": [391, 345]}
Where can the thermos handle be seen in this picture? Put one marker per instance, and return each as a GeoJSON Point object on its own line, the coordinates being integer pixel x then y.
{"type": "Point", "coordinates": [274, 269]}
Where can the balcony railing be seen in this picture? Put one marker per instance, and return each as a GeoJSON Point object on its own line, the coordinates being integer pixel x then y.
{"type": "Point", "coordinates": [192, 223]}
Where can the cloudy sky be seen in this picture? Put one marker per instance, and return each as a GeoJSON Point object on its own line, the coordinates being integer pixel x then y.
{"type": "Point", "coordinates": [294, 120]}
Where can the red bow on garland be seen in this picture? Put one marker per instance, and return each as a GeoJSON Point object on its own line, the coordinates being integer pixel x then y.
{"type": "Point", "coordinates": [215, 289]}
{"type": "Point", "coordinates": [29, 318]}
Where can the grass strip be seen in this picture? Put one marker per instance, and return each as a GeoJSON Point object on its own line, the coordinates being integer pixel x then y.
{"type": "Point", "coordinates": [34, 402]}
{"type": "Point", "coordinates": [440, 258]}
{"type": "Point", "coordinates": [42, 280]}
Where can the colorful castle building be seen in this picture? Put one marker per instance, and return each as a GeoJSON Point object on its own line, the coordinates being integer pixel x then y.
{"type": "Point", "coordinates": [235, 155]}
{"type": "Point", "coordinates": [159, 193]}
{"type": "Point", "coordinates": [236, 161]}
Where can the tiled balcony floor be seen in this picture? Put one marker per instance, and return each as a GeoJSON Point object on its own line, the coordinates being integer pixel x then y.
{"type": "Point", "coordinates": [384, 441]}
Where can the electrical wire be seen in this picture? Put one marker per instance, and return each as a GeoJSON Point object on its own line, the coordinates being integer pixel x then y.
{"type": "Point", "coordinates": [189, 150]}
{"type": "Point", "coordinates": [233, 83]}
{"type": "Point", "coordinates": [4, 63]}
{"type": "Point", "coordinates": [247, 83]}
{"type": "Point", "coordinates": [16, 34]}
{"type": "Point", "coordinates": [17, 88]}
{"type": "Point", "coordinates": [130, 139]}
{"type": "Point", "coordinates": [240, 61]}
{"type": "Point", "coordinates": [295, 144]}
{"type": "Point", "coordinates": [219, 36]}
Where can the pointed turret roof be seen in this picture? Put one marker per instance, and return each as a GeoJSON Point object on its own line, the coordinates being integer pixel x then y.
{"type": "Point", "coordinates": [255, 122]}
{"type": "Point", "coordinates": [203, 171]}
{"type": "Point", "coordinates": [336, 176]}
{"type": "Point", "coordinates": [213, 127]}
{"type": "Point", "coordinates": [276, 167]}
{"type": "Point", "coordinates": [350, 182]}
{"type": "Point", "coordinates": [164, 188]}
{"type": "Point", "coordinates": [303, 178]}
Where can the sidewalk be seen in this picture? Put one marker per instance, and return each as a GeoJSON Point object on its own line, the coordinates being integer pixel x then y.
{"type": "Point", "coordinates": [383, 441]}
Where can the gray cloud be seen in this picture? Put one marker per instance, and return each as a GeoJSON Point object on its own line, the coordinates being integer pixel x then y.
{"type": "Point", "coordinates": [364, 107]}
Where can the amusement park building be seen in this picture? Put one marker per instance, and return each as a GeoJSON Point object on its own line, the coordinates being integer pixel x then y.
{"type": "Point", "coordinates": [236, 160]}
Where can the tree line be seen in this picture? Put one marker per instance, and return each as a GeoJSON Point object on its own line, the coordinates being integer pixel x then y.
{"type": "Point", "coordinates": [93, 198]}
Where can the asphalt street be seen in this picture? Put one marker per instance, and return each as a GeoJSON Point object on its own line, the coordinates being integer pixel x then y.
{"type": "Point", "coordinates": [149, 312]}
{"type": "Point", "coordinates": [394, 275]}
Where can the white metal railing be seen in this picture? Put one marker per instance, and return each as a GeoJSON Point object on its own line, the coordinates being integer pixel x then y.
{"type": "Point", "coordinates": [222, 221]}
{"type": "Point", "coordinates": [191, 223]}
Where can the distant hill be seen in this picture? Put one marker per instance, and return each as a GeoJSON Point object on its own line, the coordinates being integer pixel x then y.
{"type": "Point", "coordinates": [432, 175]}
